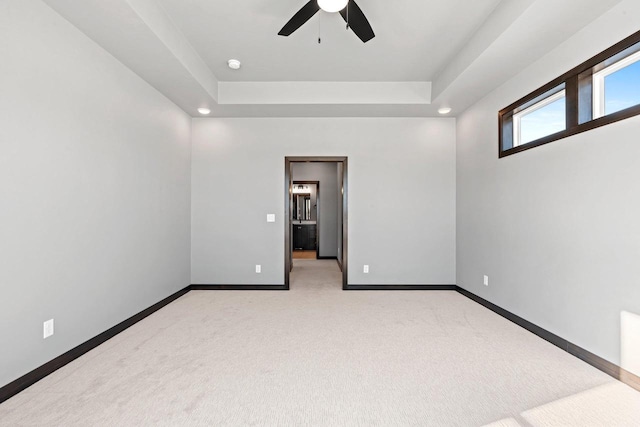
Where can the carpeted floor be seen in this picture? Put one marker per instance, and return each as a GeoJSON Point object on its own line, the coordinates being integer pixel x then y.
{"type": "Point", "coordinates": [319, 356]}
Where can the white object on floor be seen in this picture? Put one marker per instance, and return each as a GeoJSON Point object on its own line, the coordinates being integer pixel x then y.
{"type": "Point", "coordinates": [630, 342]}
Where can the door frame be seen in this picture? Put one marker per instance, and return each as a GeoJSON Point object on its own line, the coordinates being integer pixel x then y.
{"type": "Point", "coordinates": [288, 208]}
{"type": "Point", "coordinates": [317, 184]}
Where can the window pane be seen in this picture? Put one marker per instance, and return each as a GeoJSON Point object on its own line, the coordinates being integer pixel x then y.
{"type": "Point", "coordinates": [543, 121]}
{"type": "Point", "coordinates": [622, 89]}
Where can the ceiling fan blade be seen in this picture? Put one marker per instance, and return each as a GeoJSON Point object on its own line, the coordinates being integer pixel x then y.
{"type": "Point", "coordinates": [357, 21]}
{"type": "Point", "coordinates": [303, 15]}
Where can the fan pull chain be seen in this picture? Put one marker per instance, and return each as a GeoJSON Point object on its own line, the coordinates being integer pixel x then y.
{"type": "Point", "coordinates": [319, 28]}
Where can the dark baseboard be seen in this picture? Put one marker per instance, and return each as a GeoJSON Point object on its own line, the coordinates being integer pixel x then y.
{"type": "Point", "coordinates": [596, 361]}
{"type": "Point", "coordinates": [238, 288]}
{"type": "Point", "coordinates": [400, 288]}
{"type": "Point", "coordinates": [326, 257]}
{"type": "Point", "coordinates": [542, 333]}
{"type": "Point", "coordinates": [39, 373]}
{"type": "Point", "coordinates": [632, 380]}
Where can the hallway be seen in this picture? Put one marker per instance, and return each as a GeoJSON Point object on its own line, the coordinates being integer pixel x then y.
{"type": "Point", "coordinates": [316, 274]}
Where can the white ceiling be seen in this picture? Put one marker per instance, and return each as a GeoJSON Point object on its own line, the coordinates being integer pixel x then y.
{"type": "Point", "coordinates": [414, 38]}
{"type": "Point", "coordinates": [426, 53]}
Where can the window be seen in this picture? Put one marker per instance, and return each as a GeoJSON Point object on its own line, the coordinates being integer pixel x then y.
{"type": "Point", "coordinates": [617, 86]}
{"type": "Point", "coordinates": [543, 118]}
{"type": "Point", "coordinates": [603, 90]}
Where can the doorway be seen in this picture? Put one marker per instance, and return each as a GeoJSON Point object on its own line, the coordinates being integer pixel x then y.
{"type": "Point", "coordinates": [299, 209]}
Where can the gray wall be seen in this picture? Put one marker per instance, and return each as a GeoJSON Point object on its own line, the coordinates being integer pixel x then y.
{"type": "Point", "coordinates": [326, 174]}
{"type": "Point", "coordinates": [94, 189]}
{"type": "Point", "coordinates": [389, 160]}
{"type": "Point", "coordinates": [555, 228]}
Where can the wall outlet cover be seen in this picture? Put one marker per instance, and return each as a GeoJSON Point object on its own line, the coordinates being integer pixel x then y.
{"type": "Point", "coordinates": [486, 280]}
{"type": "Point", "coordinates": [47, 328]}
{"type": "Point", "coordinates": [258, 268]}
{"type": "Point", "coordinates": [271, 217]}
{"type": "Point", "coordinates": [366, 269]}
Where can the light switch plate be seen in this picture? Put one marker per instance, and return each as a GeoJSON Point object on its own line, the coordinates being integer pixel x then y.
{"type": "Point", "coordinates": [486, 280]}
{"type": "Point", "coordinates": [271, 217]}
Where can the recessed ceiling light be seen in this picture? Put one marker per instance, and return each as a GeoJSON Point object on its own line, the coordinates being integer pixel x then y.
{"type": "Point", "coordinates": [332, 6]}
{"type": "Point", "coordinates": [444, 110]}
{"type": "Point", "coordinates": [234, 64]}
{"type": "Point", "coordinates": [204, 111]}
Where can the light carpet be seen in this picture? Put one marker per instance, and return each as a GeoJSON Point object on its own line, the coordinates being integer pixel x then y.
{"type": "Point", "coordinates": [319, 356]}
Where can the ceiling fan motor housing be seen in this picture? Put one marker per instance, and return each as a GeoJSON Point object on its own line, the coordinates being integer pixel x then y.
{"type": "Point", "coordinates": [332, 6]}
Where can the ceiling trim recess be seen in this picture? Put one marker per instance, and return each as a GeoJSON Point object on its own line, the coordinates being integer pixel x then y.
{"type": "Point", "coordinates": [162, 56]}
{"type": "Point", "coordinates": [502, 17]}
{"type": "Point", "coordinates": [141, 35]}
{"type": "Point", "coordinates": [333, 93]}
{"type": "Point", "coordinates": [163, 27]}
{"type": "Point", "coordinates": [528, 31]}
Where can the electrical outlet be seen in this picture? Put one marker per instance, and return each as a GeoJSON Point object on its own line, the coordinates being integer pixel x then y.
{"type": "Point", "coordinates": [258, 268]}
{"type": "Point", "coordinates": [366, 269]}
{"type": "Point", "coordinates": [271, 217]}
{"type": "Point", "coordinates": [486, 280]}
{"type": "Point", "coordinates": [47, 328]}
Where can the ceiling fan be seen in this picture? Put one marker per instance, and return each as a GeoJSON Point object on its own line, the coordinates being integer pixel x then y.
{"type": "Point", "coordinates": [349, 10]}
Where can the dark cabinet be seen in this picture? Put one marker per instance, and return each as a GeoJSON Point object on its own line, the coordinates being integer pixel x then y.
{"type": "Point", "coordinates": [304, 237]}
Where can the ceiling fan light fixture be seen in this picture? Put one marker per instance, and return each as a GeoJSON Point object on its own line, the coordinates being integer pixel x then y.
{"type": "Point", "coordinates": [332, 6]}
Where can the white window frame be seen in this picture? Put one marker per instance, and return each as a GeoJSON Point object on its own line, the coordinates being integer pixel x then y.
{"type": "Point", "coordinates": [599, 86]}
{"type": "Point", "coordinates": [517, 117]}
